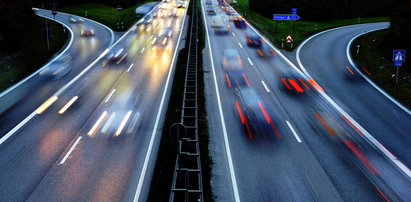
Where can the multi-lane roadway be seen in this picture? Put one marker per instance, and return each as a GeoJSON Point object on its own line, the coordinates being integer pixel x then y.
{"type": "Point", "coordinates": [315, 151]}
{"type": "Point", "coordinates": [94, 138]}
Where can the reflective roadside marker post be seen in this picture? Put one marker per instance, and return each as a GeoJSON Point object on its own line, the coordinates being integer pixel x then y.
{"type": "Point", "coordinates": [358, 49]}
{"type": "Point", "coordinates": [398, 56]}
{"type": "Point", "coordinates": [286, 17]}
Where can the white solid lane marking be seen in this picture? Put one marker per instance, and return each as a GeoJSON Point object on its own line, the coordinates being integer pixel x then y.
{"type": "Point", "coordinates": [154, 133]}
{"type": "Point", "coordinates": [46, 65]}
{"type": "Point", "coordinates": [265, 86]}
{"type": "Point", "coordinates": [71, 150]}
{"type": "Point", "coordinates": [293, 131]}
{"type": "Point", "coordinates": [15, 129]}
{"type": "Point", "coordinates": [66, 106]}
{"type": "Point", "coordinates": [249, 60]}
{"type": "Point", "coordinates": [220, 110]}
{"type": "Point", "coordinates": [97, 124]}
{"type": "Point", "coordinates": [240, 45]}
{"type": "Point", "coordinates": [368, 80]}
{"type": "Point", "coordinates": [109, 95]}
{"type": "Point", "coordinates": [131, 66]}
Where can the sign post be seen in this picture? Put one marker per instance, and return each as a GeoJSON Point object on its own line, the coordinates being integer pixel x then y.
{"type": "Point", "coordinates": [398, 56]}
{"type": "Point", "coordinates": [286, 17]}
{"type": "Point", "coordinates": [119, 8]}
{"type": "Point", "coordinates": [54, 12]}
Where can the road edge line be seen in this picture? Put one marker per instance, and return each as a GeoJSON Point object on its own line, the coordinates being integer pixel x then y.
{"type": "Point", "coordinates": [349, 56]}
{"type": "Point", "coordinates": [220, 109]}
{"type": "Point", "coordinates": [11, 88]}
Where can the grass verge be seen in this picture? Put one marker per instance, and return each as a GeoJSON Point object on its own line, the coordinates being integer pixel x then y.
{"type": "Point", "coordinates": [17, 65]}
{"type": "Point", "coordinates": [106, 15]}
{"type": "Point", "coordinates": [374, 59]}
{"type": "Point", "coordinates": [276, 31]}
{"type": "Point", "coordinates": [164, 169]}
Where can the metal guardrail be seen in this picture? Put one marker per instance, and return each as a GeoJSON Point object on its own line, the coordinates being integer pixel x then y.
{"type": "Point", "coordinates": [187, 179]}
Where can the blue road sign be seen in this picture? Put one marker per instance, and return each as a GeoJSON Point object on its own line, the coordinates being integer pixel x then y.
{"type": "Point", "coordinates": [397, 64]}
{"type": "Point", "coordinates": [294, 11]}
{"type": "Point", "coordinates": [285, 17]}
{"type": "Point", "coordinates": [398, 55]}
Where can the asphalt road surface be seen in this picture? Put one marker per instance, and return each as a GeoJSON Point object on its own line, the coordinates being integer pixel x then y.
{"type": "Point", "coordinates": [92, 140]}
{"type": "Point", "coordinates": [312, 152]}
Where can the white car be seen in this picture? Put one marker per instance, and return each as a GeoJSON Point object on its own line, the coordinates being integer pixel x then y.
{"type": "Point", "coordinates": [76, 20]}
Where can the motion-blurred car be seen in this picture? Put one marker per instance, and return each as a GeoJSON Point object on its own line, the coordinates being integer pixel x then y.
{"type": "Point", "coordinates": [58, 68]}
{"type": "Point", "coordinates": [76, 20]}
{"type": "Point", "coordinates": [211, 11]}
{"type": "Point", "coordinates": [232, 60]}
{"type": "Point", "coordinates": [219, 25]}
{"type": "Point", "coordinates": [252, 112]}
{"type": "Point", "coordinates": [116, 56]}
{"type": "Point", "coordinates": [294, 83]}
{"type": "Point", "coordinates": [254, 41]}
{"type": "Point", "coordinates": [229, 11]}
{"type": "Point", "coordinates": [233, 68]}
{"type": "Point", "coordinates": [86, 32]}
{"type": "Point", "coordinates": [147, 25]}
{"type": "Point", "coordinates": [208, 2]}
{"type": "Point", "coordinates": [181, 4]}
{"type": "Point", "coordinates": [265, 51]}
{"type": "Point", "coordinates": [239, 22]}
{"type": "Point", "coordinates": [161, 41]}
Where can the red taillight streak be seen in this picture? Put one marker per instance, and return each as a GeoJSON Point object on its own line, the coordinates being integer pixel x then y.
{"type": "Point", "coordinates": [259, 52]}
{"type": "Point", "coordinates": [242, 117]}
{"type": "Point", "coordinates": [315, 85]}
{"type": "Point", "coordinates": [350, 70]}
{"type": "Point", "coordinates": [365, 70]}
{"type": "Point", "coordinates": [304, 84]}
{"type": "Point", "coordinates": [324, 123]}
{"type": "Point", "coordinates": [266, 115]}
{"type": "Point", "coordinates": [228, 80]}
{"type": "Point", "coordinates": [273, 52]}
{"type": "Point", "coordinates": [360, 155]}
{"type": "Point", "coordinates": [246, 80]}
{"type": "Point", "coordinates": [275, 130]}
{"type": "Point", "coordinates": [249, 40]}
{"type": "Point", "coordinates": [250, 135]}
{"type": "Point", "coordinates": [225, 61]}
{"type": "Point", "coordinates": [285, 83]}
{"type": "Point", "coordinates": [382, 194]}
{"type": "Point", "coordinates": [295, 85]}
{"type": "Point", "coordinates": [240, 61]}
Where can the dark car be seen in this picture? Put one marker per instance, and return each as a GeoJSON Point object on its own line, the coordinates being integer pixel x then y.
{"type": "Point", "coordinates": [211, 11]}
{"type": "Point", "coordinates": [254, 117]}
{"type": "Point", "coordinates": [239, 22]}
{"type": "Point", "coordinates": [294, 83]}
{"type": "Point", "coordinates": [116, 56]}
{"type": "Point", "coordinates": [254, 41]}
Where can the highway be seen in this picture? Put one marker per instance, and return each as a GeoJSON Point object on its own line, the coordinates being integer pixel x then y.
{"type": "Point", "coordinates": [94, 139]}
{"type": "Point", "coordinates": [36, 88]}
{"type": "Point", "coordinates": [314, 152]}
